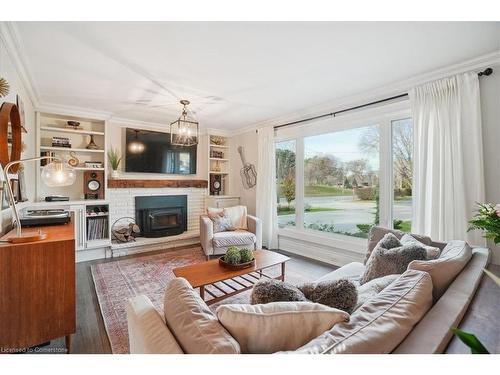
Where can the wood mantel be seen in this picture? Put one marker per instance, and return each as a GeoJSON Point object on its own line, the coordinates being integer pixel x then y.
{"type": "Point", "coordinates": [129, 183]}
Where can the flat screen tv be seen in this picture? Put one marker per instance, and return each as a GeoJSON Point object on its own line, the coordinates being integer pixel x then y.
{"type": "Point", "coordinates": [158, 154]}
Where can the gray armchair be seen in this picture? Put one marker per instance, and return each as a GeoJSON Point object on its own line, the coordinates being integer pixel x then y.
{"type": "Point", "coordinates": [218, 243]}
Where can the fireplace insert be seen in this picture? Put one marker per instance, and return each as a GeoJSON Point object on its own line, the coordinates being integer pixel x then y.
{"type": "Point", "coordinates": [160, 216]}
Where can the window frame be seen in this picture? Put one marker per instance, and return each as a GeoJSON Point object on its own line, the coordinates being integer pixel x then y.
{"type": "Point", "coordinates": [383, 116]}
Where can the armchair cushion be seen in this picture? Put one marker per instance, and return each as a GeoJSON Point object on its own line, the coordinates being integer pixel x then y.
{"type": "Point", "coordinates": [234, 238]}
{"type": "Point", "coordinates": [237, 215]}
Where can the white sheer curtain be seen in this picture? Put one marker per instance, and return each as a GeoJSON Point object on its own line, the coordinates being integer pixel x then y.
{"type": "Point", "coordinates": [448, 157]}
{"type": "Point", "coordinates": [266, 187]}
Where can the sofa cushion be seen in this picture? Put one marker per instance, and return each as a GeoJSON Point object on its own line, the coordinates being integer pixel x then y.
{"type": "Point", "coordinates": [195, 327]}
{"type": "Point", "coordinates": [272, 290]}
{"type": "Point", "coordinates": [444, 269]}
{"type": "Point", "coordinates": [381, 323]}
{"type": "Point", "coordinates": [351, 271]}
{"type": "Point", "coordinates": [340, 294]}
{"type": "Point", "coordinates": [377, 233]}
{"type": "Point", "coordinates": [277, 326]}
{"type": "Point", "coordinates": [373, 287]}
{"type": "Point", "coordinates": [234, 238]}
{"type": "Point", "coordinates": [390, 257]}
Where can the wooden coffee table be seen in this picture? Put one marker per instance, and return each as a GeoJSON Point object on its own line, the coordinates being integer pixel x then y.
{"type": "Point", "coordinates": [201, 275]}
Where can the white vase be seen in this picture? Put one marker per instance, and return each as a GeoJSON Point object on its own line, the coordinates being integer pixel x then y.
{"type": "Point", "coordinates": [115, 173]}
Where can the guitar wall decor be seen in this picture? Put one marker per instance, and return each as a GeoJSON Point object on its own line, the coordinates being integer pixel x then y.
{"type": "Point", "coordinates": [248, 172]}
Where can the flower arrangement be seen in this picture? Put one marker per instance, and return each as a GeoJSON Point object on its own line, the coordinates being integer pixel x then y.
{"type": "Point", "coordinates": [487, 219]}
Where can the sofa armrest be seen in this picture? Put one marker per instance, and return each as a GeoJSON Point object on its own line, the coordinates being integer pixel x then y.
{"type": "Point", "coordinates": [147, 332]}
{"type": "Point", "coordinates": [255, 226]}
{"type": "Point", "coordinates": [206, 234]}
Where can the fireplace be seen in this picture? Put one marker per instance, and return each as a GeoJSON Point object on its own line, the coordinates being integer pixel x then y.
{"type": "Point", "coordinates": [160, 216]}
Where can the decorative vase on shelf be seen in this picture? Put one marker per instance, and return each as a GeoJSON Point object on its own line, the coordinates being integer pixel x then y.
{"type": "Point", "coordinates": [92, 145]}
{"type": "Point", "coordinates": [115, 173]}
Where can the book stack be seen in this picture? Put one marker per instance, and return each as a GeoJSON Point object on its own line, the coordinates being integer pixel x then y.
{"type": "Point", "coordinates": [61, 142]}
{"type": "Point", "coordinates": [97, 228]}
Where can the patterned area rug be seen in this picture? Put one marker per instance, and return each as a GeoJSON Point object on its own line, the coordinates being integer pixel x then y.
{"type": "Point", "coordinates": [117, 281]}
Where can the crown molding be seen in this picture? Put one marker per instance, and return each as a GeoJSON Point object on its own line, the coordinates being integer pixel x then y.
{"type": "Point", "coordinates": [13, 45]}
{"type": "Point", "coordinates": [66, 110]}
{"type": "Point", "coordinates": [395, 88]}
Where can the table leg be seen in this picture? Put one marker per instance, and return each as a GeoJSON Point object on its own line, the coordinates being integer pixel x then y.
{"type": "Point", "coordinates": [68, 344]}
{"type": "Point", "coordinates": [283, 271]}
{"type": "Point", "coordinates": [202, 292]}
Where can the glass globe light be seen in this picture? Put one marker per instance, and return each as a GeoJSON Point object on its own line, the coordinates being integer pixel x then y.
{"type": "Point", "coordinates": [58, 174]}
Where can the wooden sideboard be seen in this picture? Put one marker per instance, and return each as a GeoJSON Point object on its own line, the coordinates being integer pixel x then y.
{"type": "Point", "coordinates": [37, 289]}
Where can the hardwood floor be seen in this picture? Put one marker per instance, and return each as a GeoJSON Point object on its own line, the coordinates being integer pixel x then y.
{"type": "Point", "coordinates": [91, 337]}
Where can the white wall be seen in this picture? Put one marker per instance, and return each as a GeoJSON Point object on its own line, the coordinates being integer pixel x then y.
{"type": "Point", "coordinates": [9, 72]}
{"type": "Point", "coordinates": [116, 138]}
{"type": "Point", "coordinates": [248, 141]}
{"type": "Point", "coordinates": [490, 108]}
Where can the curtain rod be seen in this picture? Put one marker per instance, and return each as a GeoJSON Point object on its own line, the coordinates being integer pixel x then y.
{"type": "Point", "coordinates": [485, 72]}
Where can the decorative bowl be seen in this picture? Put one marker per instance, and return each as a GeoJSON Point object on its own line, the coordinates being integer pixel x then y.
{"type": "Point", "coordinates": [73, 124]}
{"type": "Point", "coordinates": [239, 266]}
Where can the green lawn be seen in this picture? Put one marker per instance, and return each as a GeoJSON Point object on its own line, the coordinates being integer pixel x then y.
{"type": "Point", "coordinates": [325, 191]}
{"type": "Point", "coordinates": [289, 211]}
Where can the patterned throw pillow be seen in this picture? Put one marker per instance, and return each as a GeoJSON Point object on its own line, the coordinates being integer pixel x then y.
{"type": "Point", "coordinates": [391, 257]}
{"type": "Point", "coordinates": [222, 223]}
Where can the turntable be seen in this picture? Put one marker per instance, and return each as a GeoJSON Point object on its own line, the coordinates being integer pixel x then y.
{"type": "Point", "coordinates": [40, 217]}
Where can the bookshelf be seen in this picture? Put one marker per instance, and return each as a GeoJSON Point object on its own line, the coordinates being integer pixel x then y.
{"type": "Point", "coordinates": [218, 162]}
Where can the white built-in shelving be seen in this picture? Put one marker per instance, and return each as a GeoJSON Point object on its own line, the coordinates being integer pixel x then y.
{"type": "Point", "coordinates": [218, 165]}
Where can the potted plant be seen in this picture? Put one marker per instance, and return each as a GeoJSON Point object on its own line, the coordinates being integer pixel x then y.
{"type": "Point", "coordinates": [114, 159]}
{"type": "Point", "coordinates": [487, 219]}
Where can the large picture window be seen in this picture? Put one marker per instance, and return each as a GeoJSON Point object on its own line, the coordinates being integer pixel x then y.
{"type": "Point", "coordinates": [341, 173]}
{"type": "Point", "coordinates": [340, 177]}
{"type": "Point", "coordinates": [402, 159]}
{"type": "Point", "coordinates": [285, 180]}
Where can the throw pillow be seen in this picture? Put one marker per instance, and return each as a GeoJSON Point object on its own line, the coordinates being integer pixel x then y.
{"type": "Point", "coordinates": [222, 223]}
{"type": "Point", "coordinates": [277, 326]}
{"type": "Point", "coordinates": [340, 294]}
{"type": "Point", "coordinates": [194, 326]}
{"type": "Point", "coordinates": [444, 269]}
{"type": "Point", "coordinates": [266, 291]}
{"type": "Point", "coordinates": [238, 216]}
{"type": "Point", "coordinates": [432, 251]}
{"type": "Point", "coordinates": [388, 260]}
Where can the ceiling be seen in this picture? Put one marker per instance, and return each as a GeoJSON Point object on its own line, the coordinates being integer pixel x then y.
{"type": "Point", "coordinates": [235, 74]}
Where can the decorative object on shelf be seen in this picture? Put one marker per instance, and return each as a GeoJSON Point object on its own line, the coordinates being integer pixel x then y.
{"type": "Point", "coordinates": [23, 195]}
{"type": "Point", "coordinates": [215, 184]}
{"type": "Point", "coordinates": [236, 259]}
{"type": "Point", "coordinates": [73, 125]}
{"type": "Point", "coordinates": [92, 145]}
{"type": "Point", "coordinates": [248, 172]}
{"type": "Point", "coordinates": [61, 142]}
{"type": "Point", "coordinates": [217, 167]}
{"type": "Point", "coordinates": [54, 174]}
{"type": "Point", "coordinates": [9, 114]}
{"type": "Point", "coordinates": [73, 161]}
{"type": "Point", "coordinates": [93, 184]}
{"type": "Point", "coordinates": [217, 154]}
{"type": "Point", "coordinates": [14, 185]}
{"type": "Point", "coordinates": [216, 140]}
{"type": "Point", "coordinates": [93, 164]}
{"type": "Point", "coordinates": [125, 232]}
{"type": "Point", "coordinates": [184, 131]}
{"type": "Point", "coordinates": [114, 159]}
{"type": "Point", "coordinates": [4, 87]}
{"type": "Point", "coordinates": [136, 146]}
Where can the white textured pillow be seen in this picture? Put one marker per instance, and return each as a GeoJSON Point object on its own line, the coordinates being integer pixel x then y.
{"type": "Point", "coordinates": [432, 251]}
{"type": "Point", "coordinates": [277, 326]}
{"type": "Point", "coordinates": [237, 215]}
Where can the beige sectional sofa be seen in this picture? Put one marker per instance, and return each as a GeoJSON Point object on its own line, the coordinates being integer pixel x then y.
{"type": "Point", "coordinates": [413, 314]}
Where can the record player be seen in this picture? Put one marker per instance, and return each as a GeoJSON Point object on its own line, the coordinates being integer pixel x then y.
{"type": "Point", "coordinates": [38, 217]}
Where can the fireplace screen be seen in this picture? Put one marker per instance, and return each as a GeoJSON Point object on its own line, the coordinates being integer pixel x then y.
{"type": "Point", "coordinates": [165, 219]}
{"type": "Point", "coordinates": [164, 215]}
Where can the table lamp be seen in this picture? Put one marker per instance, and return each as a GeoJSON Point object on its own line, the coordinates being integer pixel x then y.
{"type": "Point", "coordinates": [55, 173]}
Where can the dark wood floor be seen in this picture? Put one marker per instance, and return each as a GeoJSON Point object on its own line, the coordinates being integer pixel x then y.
{"type": "Point", "coordinates": [91, 335]}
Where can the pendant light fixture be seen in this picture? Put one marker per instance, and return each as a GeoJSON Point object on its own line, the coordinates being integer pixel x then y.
{"type": "Point", "coordinates": [136, 146]}
{"type": "Point", "coordinates": [184, 131]}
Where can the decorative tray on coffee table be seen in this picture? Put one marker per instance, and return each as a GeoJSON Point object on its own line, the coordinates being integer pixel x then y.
{"type": "Point", "coordinates": [239, 266]}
